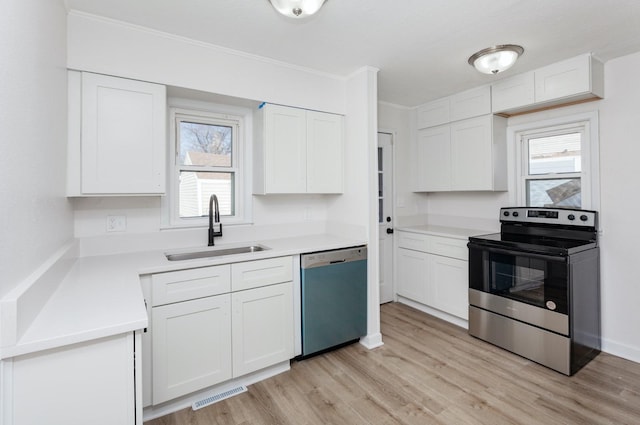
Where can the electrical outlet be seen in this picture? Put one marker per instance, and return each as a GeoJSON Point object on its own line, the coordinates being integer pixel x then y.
{"type": "Point", "coordinates": [116, 223]}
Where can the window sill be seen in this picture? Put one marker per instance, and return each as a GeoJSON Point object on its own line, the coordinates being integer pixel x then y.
{"type": "Point", "coordinates": [203, 224]}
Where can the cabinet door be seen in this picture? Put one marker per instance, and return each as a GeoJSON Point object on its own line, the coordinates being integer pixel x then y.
{"type": "Point", "coordinates": [562, 79]}
{"type": "Point", "coordinates": [448, 286]}
{"type": "Point", "coordinates": [191, 346]}
{"type": "Point", "coordinates": [512, 93]}
{"type": "Point", "coordinates": [285, 149]}
{"type": "Point", "coordinates": [471, 103]}
{"type": "Point", "coordinates": [89, 382]}
{"type": "Point", "coordinates": [471, 154]}
{"type": "Point", "coordinates": [123, 136]}
{"type": "Point", "coordinates": [324, 152]}
{"type": "Point", "coordinates": [433, 113]}
{"type": "Point", "coordinates": [433, 158]}
{"type": "Point", "coordinates": [262, 327]}
{"type": "Point", "coordinates": [412, 274]}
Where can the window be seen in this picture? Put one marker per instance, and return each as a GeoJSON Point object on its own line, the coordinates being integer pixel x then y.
{"type": "Point", "coordinates": [552, 169]}
{"type": "Point", "coordinates": [557, 163]}
{"type": "Point", "coordinates": [206, 160]}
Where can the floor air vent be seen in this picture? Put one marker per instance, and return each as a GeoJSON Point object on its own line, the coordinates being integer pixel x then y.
{"type": "Point", "coordinates": [218, 397]}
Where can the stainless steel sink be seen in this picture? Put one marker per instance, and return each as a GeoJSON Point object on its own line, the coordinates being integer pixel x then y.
{"type": "Point", "coordinates": [215, 252]}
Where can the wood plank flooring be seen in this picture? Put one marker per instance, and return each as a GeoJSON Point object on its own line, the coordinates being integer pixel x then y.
{"type": "Point", "coordinates": [429, 372]}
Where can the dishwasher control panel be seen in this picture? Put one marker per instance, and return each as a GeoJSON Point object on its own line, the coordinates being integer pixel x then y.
{"type": "Point", "coordinates": [319, 259]}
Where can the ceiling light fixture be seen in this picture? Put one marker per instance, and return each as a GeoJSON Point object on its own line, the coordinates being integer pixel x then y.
{"type": "Point", "coordinates": [297, 8]}
{"type": "Point", "coordinates": [496, 58]}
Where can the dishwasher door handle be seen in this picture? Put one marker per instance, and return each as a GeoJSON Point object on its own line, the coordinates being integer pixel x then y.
{"type": "Point", "coordinates": [337, 261]}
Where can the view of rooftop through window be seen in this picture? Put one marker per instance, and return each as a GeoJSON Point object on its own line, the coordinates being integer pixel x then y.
{"type": "Point", "coordinates": [554, 165]}
{"type": "Point", "coordinates": [205, 159]}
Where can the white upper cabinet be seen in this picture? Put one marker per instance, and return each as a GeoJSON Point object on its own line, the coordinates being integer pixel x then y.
{"type": "Point", "coordinates": [582, 76]}
{"type": "Point", "coordinates": [297, 151]}
{"type": "Point", "coordinates": [512, 93]}
{"type": "Point", "coordinates": [434, 113]}
{"type": "Point", "coordinates": [324, 153]}
{"type": "Point", "coordinates": [285, 149]}
{"type": "Point", "coordinates": [120, 147]}
{"type": "Point", "coordinates": [471, 103]}
{"type": "Point", "coordinates": [564, 82]}
{"type": "Point", "coordinates": [434, 159]}
{"type": "Point", "coordinates": [467, 155]}
{"type": "Point", "coordinates": [478, 154]}
{"type": "Point", "coordinates": [467, 104]}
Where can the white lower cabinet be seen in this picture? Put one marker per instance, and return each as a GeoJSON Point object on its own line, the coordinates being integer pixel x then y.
{"type": "Point", "coordinates": [90, 382]}
{"type": "Point", "coordinates": [191, 346]}
{"type": "Point", "coordinates": [433, 270]}
{"type": "Point", "coordinates": [262, 323]}
{"type": "Point", "coordinates": [412, 271]}
{"type": "Point", "coordinates": [448, 285]}
{"type": "Point", "coordinates": [240, 320]}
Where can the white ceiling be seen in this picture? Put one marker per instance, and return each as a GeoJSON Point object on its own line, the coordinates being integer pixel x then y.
{"type": "Point", "coordinates": [420, 46]}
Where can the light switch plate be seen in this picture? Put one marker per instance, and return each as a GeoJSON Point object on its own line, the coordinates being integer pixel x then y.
{"type": "Point", "coordinates": [116, 223]}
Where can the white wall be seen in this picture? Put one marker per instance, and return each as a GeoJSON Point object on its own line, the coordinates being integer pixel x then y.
{"type": "Point", "coordinates": [619, 198]}
{"type": "Point", "coordinates": [619, 201]}
{"type": "Point", "coordinates": [111, 47]}
{"type": "Point", "coordinates": [396, 119]}
{"type": "Point", "coordinates": [35, 214]}
{"type": "Point", "coordinates": [106, 46]}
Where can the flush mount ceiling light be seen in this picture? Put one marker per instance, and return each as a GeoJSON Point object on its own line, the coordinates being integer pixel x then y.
{"type": "Point", "coordinates": [297, 8]}
{"type": "Point", "coordinates": [496, 58]}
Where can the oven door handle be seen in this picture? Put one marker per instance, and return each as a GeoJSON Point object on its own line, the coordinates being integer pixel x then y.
{"type": "Point", "coordinates": [514, 252]}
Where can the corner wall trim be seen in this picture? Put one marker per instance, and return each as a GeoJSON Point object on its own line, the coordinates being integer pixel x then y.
{"type": "Point", "coordinates": [372, 341]}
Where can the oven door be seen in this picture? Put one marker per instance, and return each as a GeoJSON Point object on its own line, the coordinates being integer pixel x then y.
{"type": "Point", "coordinates": [531, 278]}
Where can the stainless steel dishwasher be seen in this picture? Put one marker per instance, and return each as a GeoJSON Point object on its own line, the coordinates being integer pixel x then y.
{"type": "Point", "coordinates": [334, 298]}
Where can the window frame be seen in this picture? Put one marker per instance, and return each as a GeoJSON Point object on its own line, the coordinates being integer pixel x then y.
{"type": "Point", "coordinates": [524, 171]}
{"type": "Point", "coordinates": [589, 175]}
{"type": "Point", "coordinates": [238, 166]}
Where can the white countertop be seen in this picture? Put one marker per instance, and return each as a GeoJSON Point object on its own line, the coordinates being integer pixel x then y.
{"type": "Point", "coordinates": [446, 231]}
{"type": "Point", "coordinates": [101, 296]}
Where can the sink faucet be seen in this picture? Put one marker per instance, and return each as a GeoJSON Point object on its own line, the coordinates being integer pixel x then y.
{"type": "Point", "coordinates": [214, 200]}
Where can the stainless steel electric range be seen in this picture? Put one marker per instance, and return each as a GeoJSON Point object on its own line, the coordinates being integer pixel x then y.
{"type": "Point", "coordinates": [534, 288]}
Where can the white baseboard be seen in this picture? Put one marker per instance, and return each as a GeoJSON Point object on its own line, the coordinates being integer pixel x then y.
{"type": "Point", "coordinates": [372, 341]}
{"type": "Point", "coordinates": [621, 350]}
{"type": "Point", "coordinates": [152, 412]}
{"type": "Point", "coordinates": [434, 312]}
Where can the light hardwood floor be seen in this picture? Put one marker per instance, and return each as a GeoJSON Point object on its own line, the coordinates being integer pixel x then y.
{"type": "Point", "coordinates": [429, 372]}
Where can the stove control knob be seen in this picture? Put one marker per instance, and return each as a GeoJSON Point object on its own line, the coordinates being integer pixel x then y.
{"type": "Point", "coordinates": [571, 217]}
{"type": "Point", "coordinates": [515, 213]}
{"type": "Point", "coordinates": [506, 213]}
{"type": "Point", "coordinates": [584, 217]}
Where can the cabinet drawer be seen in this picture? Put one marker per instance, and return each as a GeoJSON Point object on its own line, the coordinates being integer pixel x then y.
{"type": "Point", "coordinates": [448, 247]}
{"type": "Point", "coordinates": [184, 285]}
{"type": "Point", "coordinates": [254, 274]}
{"type": "Point", "coordinates": [414, 241]}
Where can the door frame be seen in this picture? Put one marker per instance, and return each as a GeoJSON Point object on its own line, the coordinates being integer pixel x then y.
{"type": "Point", "coordinates": [393, 134]}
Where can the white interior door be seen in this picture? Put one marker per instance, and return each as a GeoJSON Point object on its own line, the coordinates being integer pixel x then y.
{"type": "Point", "coordinates": [385, 217]}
